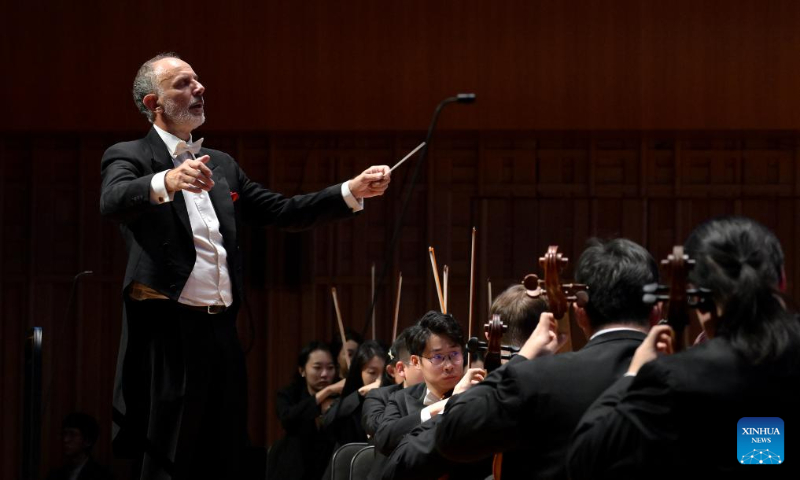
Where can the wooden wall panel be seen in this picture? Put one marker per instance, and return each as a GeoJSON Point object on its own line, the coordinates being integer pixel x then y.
{"type": "Point", "coordinates": [382, 66]}
{"type": "Point", "coordinates": [522, 190]}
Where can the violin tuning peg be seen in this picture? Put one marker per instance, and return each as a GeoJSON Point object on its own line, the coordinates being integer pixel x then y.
{"type": "Point", "coordinates": [650, 288]}
{"type": "Point", "coordinates": [582, 298]}
{"type": "Point", "coordinates": [532, 285]}
{"type": "Point", "coordinates": [531, 281]}
{"type": "Point", "coordinates": [648, 299]}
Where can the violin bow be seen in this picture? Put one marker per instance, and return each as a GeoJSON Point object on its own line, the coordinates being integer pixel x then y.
{"type": "Point", "coordinates": [339, 319]}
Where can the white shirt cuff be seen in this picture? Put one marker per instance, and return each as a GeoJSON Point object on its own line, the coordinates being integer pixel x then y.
{"type": "Point", "coordinates": [356, 205]}
{"type": "Point", "coordinates": [158, 189]}
{"type": "Point", "coordinates": [425, 414]}
{"type": "Point", "coordinates": [629, 374]}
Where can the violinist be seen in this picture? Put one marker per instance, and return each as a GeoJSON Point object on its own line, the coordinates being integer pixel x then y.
{"type": "Point", "coordinates": [304, 452]}
{"type": "Point", "coordinates": [402, 376]}
{"type": "Point", "coordinates": [343, 420]}
{"type": "Point", "coordinates": [437, 352]}
{"type": "Point", "coordinates": [343, 352]}
{"type": "Point", "coordinates": [416, 456]}
{"type": "Point", "coordinates": [376, 400]}
{"type": "Point", "coordinates": [520, 313]}
{"type": "Point", "coordinates": [651, 422]}
{"type": "Point", "coordinates": [528, 409]}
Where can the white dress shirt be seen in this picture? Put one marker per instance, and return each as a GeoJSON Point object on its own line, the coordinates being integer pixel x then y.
{"type": "Point", "coordinates": [430, 399]}
{"type": "Point", "coordinates": [210, 282]}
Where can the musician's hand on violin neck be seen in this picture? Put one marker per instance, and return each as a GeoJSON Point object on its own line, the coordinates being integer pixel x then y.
{"type": "Point", "coordinates": [658, 341]}
{"type": "Point", "coordinates": [473, 376]}
{"type": "Point", "coordinates": [545, 339]}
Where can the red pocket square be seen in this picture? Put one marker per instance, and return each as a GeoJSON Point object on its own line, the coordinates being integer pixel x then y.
{"type": "Point", "coordinates": [234, 196]}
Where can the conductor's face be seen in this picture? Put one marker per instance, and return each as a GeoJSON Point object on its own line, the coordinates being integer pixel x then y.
{"type": "Point", "coordinates": [179, 104]}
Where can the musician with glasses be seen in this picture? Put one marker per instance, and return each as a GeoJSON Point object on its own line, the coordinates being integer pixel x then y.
{"type": "Point", "coordinates": [437, 350]}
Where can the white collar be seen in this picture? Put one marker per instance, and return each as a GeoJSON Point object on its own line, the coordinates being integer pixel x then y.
{"type": "Point", "coordinates": [609, 330]}
{"type": "Point", "coordinates": [170, 140]}
{"type": "Point", "coordinates": [430, 397]}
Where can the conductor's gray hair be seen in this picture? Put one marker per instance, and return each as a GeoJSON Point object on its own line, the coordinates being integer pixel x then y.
{"type": "Point", "coordinates": [146, 83]}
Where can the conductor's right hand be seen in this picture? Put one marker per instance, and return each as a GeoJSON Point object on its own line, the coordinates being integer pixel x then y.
{"type": "Point", "coordinates": [192, 175]}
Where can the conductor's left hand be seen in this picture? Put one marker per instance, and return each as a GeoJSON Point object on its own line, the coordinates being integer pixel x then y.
{"type": "Point", "coordinates": [371, 183]}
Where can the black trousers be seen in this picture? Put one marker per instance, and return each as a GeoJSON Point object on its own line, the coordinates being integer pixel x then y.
{"type": "Point", "coordinates": [180, 396]}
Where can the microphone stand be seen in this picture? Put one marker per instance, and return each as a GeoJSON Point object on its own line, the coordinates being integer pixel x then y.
{"type": "Point", "coordinates": [32, 404]}
{"type": "Point", "coordinates": [423, 154]}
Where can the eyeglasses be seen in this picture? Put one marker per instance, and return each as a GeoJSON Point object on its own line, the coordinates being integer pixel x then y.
{"type": "Point", "coordinates": [455, 358]}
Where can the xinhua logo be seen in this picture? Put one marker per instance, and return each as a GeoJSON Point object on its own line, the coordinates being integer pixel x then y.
{"type": "Point", "coordinates": [760, 441]}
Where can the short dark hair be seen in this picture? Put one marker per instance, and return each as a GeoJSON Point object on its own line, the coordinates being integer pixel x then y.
{"type": "Point", "coordinates": [145, 83]}
{"type": "Point", "coordinates": [519, 312]}
{"type": "Point", "coordinates": [85, 423]}
{"type": "Point", "coordinates": [399, 351]}
{"type": "Point", "coordinates": [433, 322]}
{"type": "Point", "coordinates": [741, 262]}
{"type": "Point", "coordinates": [615, 272]}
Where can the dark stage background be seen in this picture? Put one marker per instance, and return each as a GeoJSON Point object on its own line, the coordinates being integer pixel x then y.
{"type": "Point", "coordinates": [631, 118]}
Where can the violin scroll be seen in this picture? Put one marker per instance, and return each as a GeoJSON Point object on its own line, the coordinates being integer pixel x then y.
{"type": "Point", "coordinates": [676, 296]}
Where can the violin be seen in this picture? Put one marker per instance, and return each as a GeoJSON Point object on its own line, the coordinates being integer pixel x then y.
{"type": "Point", "coordinates": [559, 295]}
{"type": "Point", "coordinates": [676, 298]}
{"type": "Point", "coordinates": [494, 330]}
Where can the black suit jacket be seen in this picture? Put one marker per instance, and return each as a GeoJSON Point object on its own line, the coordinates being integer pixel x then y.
{"type": "Point", "coordinates": [342, 421]}
{"type": "Point", "coordinates": [528, 409]}
{"type": "Point", "coordinates": [161, 251]}
{"type": "Point", "coordinates": [91, 471]}
{"type": "Point", "coordinates": [416, 458]}
{"type": "Point", "coordinates": [372, 414]}
{"type": "Point", "coordinates": [303, 453]}
{"type": "Point", "coordinates": [375, 405]}
{"type": "Point", "coordinates": [401, 415]}
{"type": "Point", "coordinates": [679, 413]}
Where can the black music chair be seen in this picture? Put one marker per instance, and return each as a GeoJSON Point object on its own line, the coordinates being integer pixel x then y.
{"type": "Point", "coordinates": [340, 461]}
{"type": "Point", "coordinates": [362, 462]}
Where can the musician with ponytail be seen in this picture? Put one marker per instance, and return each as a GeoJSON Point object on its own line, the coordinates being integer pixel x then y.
{"type": "Point", "coordinates": [673, 414]}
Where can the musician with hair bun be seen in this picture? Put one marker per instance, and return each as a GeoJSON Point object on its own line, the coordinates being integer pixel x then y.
{"type": "Point", "coordinates": [675, 414]}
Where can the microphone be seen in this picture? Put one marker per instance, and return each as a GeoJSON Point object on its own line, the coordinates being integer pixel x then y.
{"type": "Point", "coordinates": [458, 98]}
{"type": "Point", "coordinates": [465, 98]}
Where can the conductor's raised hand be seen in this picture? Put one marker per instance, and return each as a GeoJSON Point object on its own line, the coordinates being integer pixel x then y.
{"type": "Point", "coordinates": [192, 175]}
{"type": "Point", "coordinates": [371, 183]}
